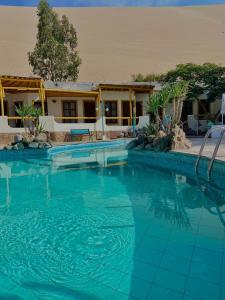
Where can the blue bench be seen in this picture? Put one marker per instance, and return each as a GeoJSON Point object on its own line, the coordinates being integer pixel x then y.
{"type": "Point", "coordinates": [79, 133]}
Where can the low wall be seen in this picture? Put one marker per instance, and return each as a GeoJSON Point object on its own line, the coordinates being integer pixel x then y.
{"type": "Point", "coordinates": [59, 132]}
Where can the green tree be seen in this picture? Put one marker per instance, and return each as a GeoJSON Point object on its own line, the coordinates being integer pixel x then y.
{"type": "Point", "coordinates": [147, 78]}
{"type": "Point", "coordinates": [55, 55]}
{"type": "Point", "coordinates": [207, 78]}
{"type": "Point", "coordinates": [171, 93]}
{"type": "Point", "coordinates": [30, 119]}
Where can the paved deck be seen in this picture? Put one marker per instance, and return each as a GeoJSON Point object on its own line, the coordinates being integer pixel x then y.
{"type": "Point", "coordinates": [209, 148]}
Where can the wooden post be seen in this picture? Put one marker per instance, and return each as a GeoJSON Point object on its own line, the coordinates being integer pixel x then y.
{"type": "Point", "coordinates": [2, 100]}
{"type": "Point", "coordinates": [130, 100]}
{"type": "Point", "coordinates": [42, 98]}
{"type": "Point", "coordinates": [99, 102]}
{"type": "Point", "coordinates": [134, 110]}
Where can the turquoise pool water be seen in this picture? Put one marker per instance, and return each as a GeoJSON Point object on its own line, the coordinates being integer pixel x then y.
{"type": "Point", "coordinates": [94, 224]}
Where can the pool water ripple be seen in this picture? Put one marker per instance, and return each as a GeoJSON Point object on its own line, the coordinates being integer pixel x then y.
{"type": "Point", "coordinates": [107, 232]}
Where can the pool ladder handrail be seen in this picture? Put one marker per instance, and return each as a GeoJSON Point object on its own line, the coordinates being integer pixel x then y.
{"type": "Point", "coordinates": [210, 165]}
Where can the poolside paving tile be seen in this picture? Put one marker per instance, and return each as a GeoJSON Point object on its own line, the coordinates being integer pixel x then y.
{"type": "Point", "coordinates": [170, 280]}
{"type": "Point", "coordinates": [160, 293]}
{"type": "Point", "coordinates": [202, 289]}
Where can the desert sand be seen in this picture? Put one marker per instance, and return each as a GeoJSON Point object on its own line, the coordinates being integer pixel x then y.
{"type": "Point", "coordinates": [117, 42]}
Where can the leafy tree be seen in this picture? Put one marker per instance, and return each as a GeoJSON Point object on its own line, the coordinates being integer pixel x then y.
{"type": "Point", "coordinates": [171, 93]}
{"type": "Point", "coordinates": [147, 78]}
{"type": "Point", "coordinates": [207, 78]}
{"type": "Point", "coordinates": [30, 119]}
{"type": "Point", "coordinates": [55, 56]}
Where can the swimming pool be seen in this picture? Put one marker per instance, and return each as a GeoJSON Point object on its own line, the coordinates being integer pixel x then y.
{"type": "Point", "coordinates": [104, 224]}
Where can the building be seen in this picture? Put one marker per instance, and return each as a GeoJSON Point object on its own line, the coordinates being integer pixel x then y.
{"type": "Point", "coordinates": [101, 107]}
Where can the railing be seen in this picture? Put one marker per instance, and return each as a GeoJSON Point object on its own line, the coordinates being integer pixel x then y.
{"type": "Point", "coordinates": [210, 131]}
{"type": "Point", "coordinates": [75, 118]}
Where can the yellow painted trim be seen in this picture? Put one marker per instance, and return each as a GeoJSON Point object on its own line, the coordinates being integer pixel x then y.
{"type": "Point", "coordinates": [2, 99]}
{"type": "Point", "coordinates": [74, 118]}
{"type": "Point", "coordinates": [20, 88]}
{"type": "Point", "coordinates": [42, 92]}
{"type": "Point", "coordinates": [130, 100]}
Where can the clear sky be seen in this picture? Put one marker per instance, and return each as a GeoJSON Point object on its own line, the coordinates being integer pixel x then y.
{"type": "Point", "coordinates": [113, 2]}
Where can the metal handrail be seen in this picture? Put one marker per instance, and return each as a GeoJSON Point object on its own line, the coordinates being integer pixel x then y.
{"type": "Point", "coordinates": [215, 150]}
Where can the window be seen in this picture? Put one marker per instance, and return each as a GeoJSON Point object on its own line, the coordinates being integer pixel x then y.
{"type": "Point", "coordinates": [203, 108]}
{"type": "Point", "coordinates": [38, 104]}
{"type": "Point", "coordinates": [69, 110]}
{"type": "Point", "coordinates": [111, 111]}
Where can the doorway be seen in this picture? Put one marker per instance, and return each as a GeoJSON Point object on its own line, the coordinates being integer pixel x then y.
{"type": "Point", "coordinates": [125, 112]}
{"type": "Point", "coordinates": [18, 123]}
{"type": "Point", "coordinates": [89, 111]}
{"type": "Point", "coordinates": [69, 110]}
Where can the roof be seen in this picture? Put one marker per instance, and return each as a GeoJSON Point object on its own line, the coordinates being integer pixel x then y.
{"type": "Point", "coordinates": [15, 84]}
{"type": "Point", "coordinates": [138, 86]}
{"type": "Point", "coordinates": [80, 86]}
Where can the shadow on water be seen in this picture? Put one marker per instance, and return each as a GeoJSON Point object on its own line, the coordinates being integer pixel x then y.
{"type": "Point", "coordinates": [171, 207]}
{"type": "Point", "coordinates": [58, 289]}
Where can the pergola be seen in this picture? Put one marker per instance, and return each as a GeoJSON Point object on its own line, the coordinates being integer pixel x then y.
{"type": "Point", "coordinates": [18, 84]}
{"type": "Point", "coordinates": [132, 87]}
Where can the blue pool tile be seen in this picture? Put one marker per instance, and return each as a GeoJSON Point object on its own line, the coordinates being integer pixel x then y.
{"type": "Point", "coordinates": [118, 262]}
{"type": "Point", "coordinates": [175, 264]}
{"type": "Point", "coordinates": [209, 244]}
{"type": "Point", "coordinates": [160, 293]}
{"type": "Point", "coordinates": [170, 280]}
{"type": "Point", "coordinates": [160, 232]}
{"type": "Point", "coordinates": [185, 237]}
{"type": "Point", "coordinates": [153, 243]}
{"type": "Point", "coordinates": [144, 271]}
{"type": "Point", "coordinates": [145, 255]}
{"type": "Point", "coordinates": [222, 293]}
{"type": "Point", "coordinates": [190, 298]}
{"type": "Point", "coordinates": [202, 289]}
{"type": "Point", "coordinates": [207, 257]}
{"type": "Point", "coordinates": [205, 272]}
{"type": "Point", "coordinates": [134, 287]}
{"type": "Point", "coordinates": [122, 296]}
{"type": "Point", "coordinates": [108, 278]}
{"type": "Point", "coordinates": [179, 249]}
{"type": "Point", "coordinates": [98, 291]}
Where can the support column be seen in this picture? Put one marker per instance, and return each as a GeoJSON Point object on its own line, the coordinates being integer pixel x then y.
{"type": "Point", "coordinates": [130, 101]}
{"type": "Point", "coordinates": [99, 102]}
{"type": "Point", "coordinates": [2, 99]}
{"type": "Point", "coordinates": [134, 110]}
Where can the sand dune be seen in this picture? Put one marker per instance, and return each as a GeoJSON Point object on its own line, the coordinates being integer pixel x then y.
{"type": "Point", "coordinates": [117, 42]}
